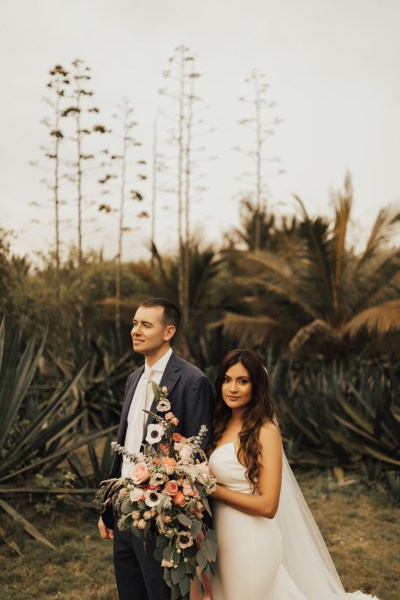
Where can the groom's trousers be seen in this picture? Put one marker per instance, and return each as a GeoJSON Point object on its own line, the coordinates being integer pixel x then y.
{"type": "Point", "coordinates": [139, 576]}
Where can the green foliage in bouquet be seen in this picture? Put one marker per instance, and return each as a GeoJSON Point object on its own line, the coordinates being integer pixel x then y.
{"type": "Point", "coordinates": [165, 498]}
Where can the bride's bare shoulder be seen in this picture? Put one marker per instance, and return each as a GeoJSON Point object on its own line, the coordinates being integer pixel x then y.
{"type": "Point", "coordinates": [269, 431]}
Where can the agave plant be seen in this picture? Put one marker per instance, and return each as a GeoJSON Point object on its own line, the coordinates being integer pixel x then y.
{"type": "Point", "coordinates": [35, 435]}
{"type": "Point", "coordinates": [100, 388]}
{"type": "Point", "coordinates": [338, 417]}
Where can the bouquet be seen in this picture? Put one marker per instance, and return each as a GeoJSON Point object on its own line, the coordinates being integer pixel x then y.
{"type": "Point", "coordinates": [165, 497]}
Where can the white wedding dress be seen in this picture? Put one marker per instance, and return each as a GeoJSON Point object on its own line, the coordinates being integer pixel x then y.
{"type": "Point", "coordinates": [284, 558]}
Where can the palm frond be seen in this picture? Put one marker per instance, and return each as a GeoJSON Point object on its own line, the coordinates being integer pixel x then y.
{"type": "Point", "coordinates": [252, 330]}
{"type": "Point", "coordinates": [317, 261]}
{"type": "Point", "coordinates": [315, 328]}
{"type": "Point", "coordinates": [385, 225]}
{"type": "Point", "coordinates": [343, 210]}
{"type": "Point", "coordinates": [376, 320]}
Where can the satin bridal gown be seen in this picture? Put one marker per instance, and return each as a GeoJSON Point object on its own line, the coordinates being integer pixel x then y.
{"type": "Point", "coordinates": [284, 558]}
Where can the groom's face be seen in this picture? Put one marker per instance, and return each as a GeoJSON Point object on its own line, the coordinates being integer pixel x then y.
{"type": "Point", "coordinates": [149, 333]}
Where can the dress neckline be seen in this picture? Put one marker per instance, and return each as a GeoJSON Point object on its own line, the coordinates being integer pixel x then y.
{"type": "Point", "coordinates": [223, 446]}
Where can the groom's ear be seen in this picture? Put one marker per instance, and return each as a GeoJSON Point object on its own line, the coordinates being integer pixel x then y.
{"type": "Point", "coordinates": [169, 332]}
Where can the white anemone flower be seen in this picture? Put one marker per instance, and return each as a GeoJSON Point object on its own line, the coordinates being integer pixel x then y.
{"type": "Point", "coordinates": [164, 405]}
{"type": "Point", "coordinates": [152, 497]}
{"type": "Point", "coordinates": [185, 539]}
{"type": "Point", "coordinates": [154, 433]}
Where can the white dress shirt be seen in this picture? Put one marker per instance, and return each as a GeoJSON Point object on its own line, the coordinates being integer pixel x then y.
{"type": "Point", "coordinates": [142, 398]}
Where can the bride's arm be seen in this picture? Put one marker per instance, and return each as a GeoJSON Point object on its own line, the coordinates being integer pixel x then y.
{"type": "Point", "coordinates": [265, 504]}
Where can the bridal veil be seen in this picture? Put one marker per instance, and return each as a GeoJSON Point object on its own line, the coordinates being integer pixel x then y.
{"type": "Point", "coordinates": [305, 555]}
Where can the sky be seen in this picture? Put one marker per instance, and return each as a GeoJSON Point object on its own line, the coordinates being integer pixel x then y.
{"type": "Point", "coordinates": [332, 67]}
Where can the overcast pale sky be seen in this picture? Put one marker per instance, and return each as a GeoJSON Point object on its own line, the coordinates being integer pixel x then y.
{"type": "Point", "coordinates": [332, 66]}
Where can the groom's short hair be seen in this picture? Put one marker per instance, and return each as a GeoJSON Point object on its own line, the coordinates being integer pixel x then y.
{"type": "Point", "coordinates": [171, 312]}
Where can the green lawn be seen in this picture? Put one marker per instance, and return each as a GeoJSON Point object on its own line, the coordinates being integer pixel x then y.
{"type": "Point", "coordinates": [361, 531]}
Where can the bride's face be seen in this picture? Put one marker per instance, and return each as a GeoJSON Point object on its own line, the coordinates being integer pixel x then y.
{"type": "Point", "coordinates": [237, 388]}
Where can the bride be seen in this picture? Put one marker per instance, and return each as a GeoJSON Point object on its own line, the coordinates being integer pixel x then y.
{"type": "Point", "coordinates": [269, 546]}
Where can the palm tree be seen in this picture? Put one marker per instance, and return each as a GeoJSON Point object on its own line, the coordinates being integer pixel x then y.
{"type": "Point", "coordinates": [318, 293]}
{"type": "Point", "coordinates": [272, 233]}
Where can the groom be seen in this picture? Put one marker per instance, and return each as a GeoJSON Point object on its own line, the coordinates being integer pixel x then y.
{"type": "Point", "coordinates": [139, 576]}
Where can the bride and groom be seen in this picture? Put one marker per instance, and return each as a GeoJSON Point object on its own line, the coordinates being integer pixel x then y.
{"type": "Point", "coordinates": [269, 546]}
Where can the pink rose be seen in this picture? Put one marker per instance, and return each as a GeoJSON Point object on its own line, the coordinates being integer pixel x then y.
{"type": "Point", "coordinates": [175, 420]}
{"type": "Point", "coordinates": [171, 487]}
{"type": "Point", "coordinates": [179, 499]}
{"type": "Point", "coordinates": [169, 415]}
{"type": "Point", "coordinates": [140, 472]}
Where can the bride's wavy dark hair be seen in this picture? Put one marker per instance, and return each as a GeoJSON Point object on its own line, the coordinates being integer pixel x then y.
{"type": "Point", "coordinates": [259, 411]}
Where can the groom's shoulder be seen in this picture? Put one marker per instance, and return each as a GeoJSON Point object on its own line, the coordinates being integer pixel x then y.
{"type": "Point", "coordinates": [187, 367]}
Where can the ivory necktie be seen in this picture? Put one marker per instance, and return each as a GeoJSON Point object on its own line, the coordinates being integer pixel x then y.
{"type": "Point", "coordinates": [147, 396]}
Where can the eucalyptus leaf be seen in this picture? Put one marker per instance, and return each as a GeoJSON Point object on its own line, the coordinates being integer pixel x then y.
{"type": "Point", "coordinates": [178, 573]}
{"type": "Point", "coordinates": [184, 520]}
{"type": "Point", "coordinates": [201, 559]}
{"type": "Point", "coordinates": [196, 528]}
{"type": "Point", "coordinates": [209, 549]}
{"type": "Point", "coordinates": [184, 586]}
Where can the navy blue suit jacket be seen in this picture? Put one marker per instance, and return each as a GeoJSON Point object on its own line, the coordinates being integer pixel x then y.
{"type": "Point", "coordinates": [191, 397]}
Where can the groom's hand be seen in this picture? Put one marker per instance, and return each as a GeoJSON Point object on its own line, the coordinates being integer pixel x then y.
{"type": "Point", "coordinates": [105, 533]}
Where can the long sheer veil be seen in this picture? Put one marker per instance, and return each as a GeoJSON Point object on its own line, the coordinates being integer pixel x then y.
{"type": "Point", "coordinates": [305, 555]}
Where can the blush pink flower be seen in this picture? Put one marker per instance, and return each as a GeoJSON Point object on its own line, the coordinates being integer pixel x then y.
{"type": "Point", "coordinates": [185, 452]}
{"type": "Point", "coordinates": [167, 563]}
{"type": "Point", "coordinates": [136, 494]}
{"type": "Point", "coordinates": [140, 473]}
{"type": "Point", "coordinates": [171, 487]}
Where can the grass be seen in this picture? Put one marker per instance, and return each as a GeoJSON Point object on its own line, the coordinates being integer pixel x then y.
{"type": "Point", "coordinates": [360, 529]}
